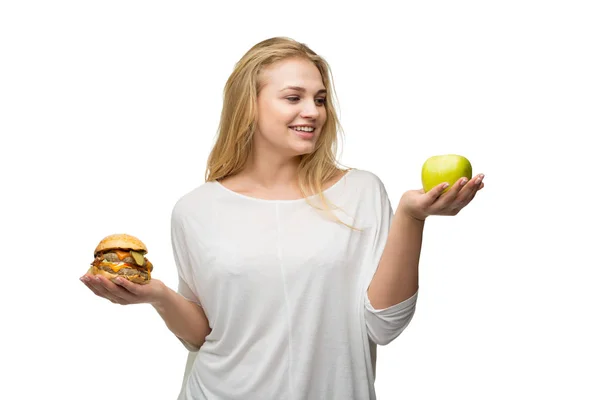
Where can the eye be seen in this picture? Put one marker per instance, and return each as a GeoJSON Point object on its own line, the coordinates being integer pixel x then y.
{"type": "Point", "coordinates": [293, 99]}
{"type": "Point", "coordinates": [321, 101]}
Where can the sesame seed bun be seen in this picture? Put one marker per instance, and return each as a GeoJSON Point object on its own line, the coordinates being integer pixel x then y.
{"type": "Point", "coordinates": [121, 241]}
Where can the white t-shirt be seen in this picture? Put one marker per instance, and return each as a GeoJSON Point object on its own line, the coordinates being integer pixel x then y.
{"type": "Point", "coordinates": [284, 290]}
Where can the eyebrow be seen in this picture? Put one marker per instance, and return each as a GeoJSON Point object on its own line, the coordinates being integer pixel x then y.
{"type": "Point", "coordinates": [301, 89]}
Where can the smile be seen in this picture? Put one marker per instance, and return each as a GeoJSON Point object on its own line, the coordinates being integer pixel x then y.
{"type": "Point", "coordinates": [304, 132]}
{"type": "Point", "coordinates": [303, 128]}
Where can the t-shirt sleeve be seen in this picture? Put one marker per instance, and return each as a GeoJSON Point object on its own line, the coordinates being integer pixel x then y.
{"type": "Point", "coordinates": [182, 258]}
{"type": "Point", "coordinates": [383, 326]}
{"type": "Point", "coordinates": [183, 263]}
{"type": "Point", "coordinates": [379, 215]}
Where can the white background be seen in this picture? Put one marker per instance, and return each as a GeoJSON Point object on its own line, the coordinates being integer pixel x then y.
{"type": "Point", "coordinates": [107, 114]}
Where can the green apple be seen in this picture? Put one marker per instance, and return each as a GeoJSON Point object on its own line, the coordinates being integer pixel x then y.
{"type": "Point", "coordinates": [445, 168]}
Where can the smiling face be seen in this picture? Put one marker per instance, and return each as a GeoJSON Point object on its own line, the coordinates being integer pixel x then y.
{"type": "Point", "coordinates": [291, 107]}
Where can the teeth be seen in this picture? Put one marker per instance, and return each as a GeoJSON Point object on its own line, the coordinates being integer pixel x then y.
{"type": "Point", "coordinates": [303, 128]}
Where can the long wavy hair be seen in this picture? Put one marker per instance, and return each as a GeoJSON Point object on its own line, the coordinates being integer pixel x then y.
{"type": "Point", "coordinates": [239, 119]}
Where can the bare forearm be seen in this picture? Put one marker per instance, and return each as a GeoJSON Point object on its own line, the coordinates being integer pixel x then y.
{"type": "Point", "coordinates": [185, 319]}
{"type": "Point", "coordinates": [397, 276]}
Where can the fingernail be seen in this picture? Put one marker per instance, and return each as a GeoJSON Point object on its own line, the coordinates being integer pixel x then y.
{"type": "Point", "coordinates": [97, 278]}
{"type": "Point", "coordinates": [118, 280]}
{"type": "Point", "coordinates": [463, 181]}
{"type": "Point", "coordinates": [445, 185]}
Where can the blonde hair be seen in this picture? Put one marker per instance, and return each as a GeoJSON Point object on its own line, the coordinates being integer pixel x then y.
{"type": "Point", "coordinates": [239, 118]}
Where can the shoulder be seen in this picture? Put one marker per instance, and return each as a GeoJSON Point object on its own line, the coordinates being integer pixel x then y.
{"type": "Point", "coordinates": [364, 196]}
{"type": "Point", "coordinates": [363, 179]}
{"type": "Point", "coordinates": [360, 189]}
{"type": "Point", "coordinates": [198, 200]}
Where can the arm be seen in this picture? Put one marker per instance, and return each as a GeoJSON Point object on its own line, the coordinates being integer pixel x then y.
{"type": "Point", "coordinates": [386, 316]}
{"type": "Point", "coordinates": [182, 310]}
{"type": "Point", "coordinates": [184, 318]}
{"type": "Point", "coordinates": [397, 276]}
{"type": "Point", "coordinates": [392, 294]}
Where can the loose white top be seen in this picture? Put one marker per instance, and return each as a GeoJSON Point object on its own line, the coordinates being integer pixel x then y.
{"type": "Point", "coordinates": [284, 289]}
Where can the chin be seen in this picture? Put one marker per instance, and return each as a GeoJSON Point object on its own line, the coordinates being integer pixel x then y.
{"type": "Point", "coordinates": [302, 149]}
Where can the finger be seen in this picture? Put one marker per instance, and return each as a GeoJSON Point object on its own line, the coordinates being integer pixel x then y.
{"type": "Point", "coordinates": [131, 287]}
{"type": "Point", "coordinates": [477, 186]}
{"type": "Point", "coordinates": [86, 282]}
{"type": "Point", "coordinates": [114, 291]}
{"type": "Point", "coordinates": [456, 189]}
{"type": "Point", "coordinates": [469, 190]}
{"type": "Point", "coordinates": [447, 202]}
{"type": "Point", "coordinates": [436, 192]}
{"type": "Point", "coordinates": [97, 288]}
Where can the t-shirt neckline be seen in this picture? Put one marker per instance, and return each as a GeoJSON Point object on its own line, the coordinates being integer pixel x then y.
{"type": "Point", "coordinates": [289, 201]}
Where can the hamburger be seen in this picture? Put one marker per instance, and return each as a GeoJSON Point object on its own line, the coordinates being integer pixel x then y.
{"type": "Point", "coordinates": [122, 255]}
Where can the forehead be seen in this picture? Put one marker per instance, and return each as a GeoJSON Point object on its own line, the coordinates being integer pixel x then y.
{"type": "Point", "coordinates": [292, 72]}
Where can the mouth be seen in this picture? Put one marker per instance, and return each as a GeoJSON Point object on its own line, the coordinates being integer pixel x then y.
{"type": "Point", "coordinates": [304, 131]}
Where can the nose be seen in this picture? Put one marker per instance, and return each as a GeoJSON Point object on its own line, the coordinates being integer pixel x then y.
{"type": "Point", "coordinates": [309, 110]}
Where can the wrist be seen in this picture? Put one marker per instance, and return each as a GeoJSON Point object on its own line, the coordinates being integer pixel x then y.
{"type": "Point", "coordinates": [405, 212]}
{"type": "Point", "coordinates": [160, 295]}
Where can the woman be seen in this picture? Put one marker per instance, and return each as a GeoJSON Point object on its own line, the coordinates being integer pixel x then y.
{"type": "Point", "coordinates": [291, 269]}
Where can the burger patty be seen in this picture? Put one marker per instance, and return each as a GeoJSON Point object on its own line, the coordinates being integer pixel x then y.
{"type": "Point", "coordinates": [113, 257]}
{"type": "Point", "coordinates": [125, 271]}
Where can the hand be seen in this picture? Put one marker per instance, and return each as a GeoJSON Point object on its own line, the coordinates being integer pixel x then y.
{"type": "Point", "coordinates": [121, 291]}
{"type": "Point", "coordinates": [420, 205]}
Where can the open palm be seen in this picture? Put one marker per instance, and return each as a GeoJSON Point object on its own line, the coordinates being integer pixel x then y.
{"type": "Point", "coordinates": [420, 205]}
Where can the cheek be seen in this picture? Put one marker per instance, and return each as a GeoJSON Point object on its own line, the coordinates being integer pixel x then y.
{"type": "Point", "coordinates": [273, 123]}
{"type": "Point", "coordinates": [276, 117]}
{"type": "Point", "coordinates": [323, 114]}
{"type": "Point", "coordinates": [286, 114]}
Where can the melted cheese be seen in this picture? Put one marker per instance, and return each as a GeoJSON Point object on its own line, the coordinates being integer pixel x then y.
{"type": "Point", "coordinates": [116, 267]}
{"type": "Point", "coordinates": [122, 254]}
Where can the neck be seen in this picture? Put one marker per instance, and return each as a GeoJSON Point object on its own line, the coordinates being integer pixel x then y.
{"type": "Point", "coordinates": [271, 170]}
